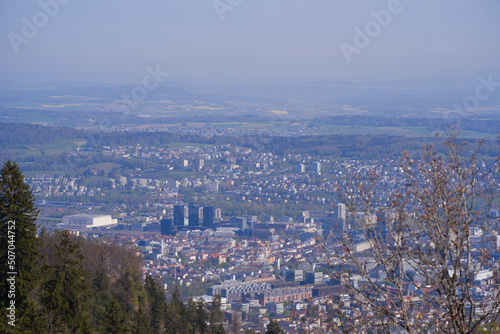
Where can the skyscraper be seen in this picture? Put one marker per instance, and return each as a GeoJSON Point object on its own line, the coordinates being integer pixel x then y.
{"type": "Point", "coordinates": [166, 226]}
{"type": "Point", "coordinates": [318, 167]}
{"type": "Point", "coordinates": [193, 216]}
{"type": "Point", "coordinates": [181, 215]}
{"type": "Point", "coordinates": [301, 168]}
{"type": "Point", "coordinates": [208, 217]}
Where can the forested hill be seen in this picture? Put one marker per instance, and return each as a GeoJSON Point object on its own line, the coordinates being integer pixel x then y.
{"type": "Point", "coordinates": [21, 135]}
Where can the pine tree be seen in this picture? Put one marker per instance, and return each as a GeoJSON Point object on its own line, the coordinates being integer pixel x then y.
{"type": "Point", "coordinates": [67, 288]}
{"type": "Point", "coordinates": [273, 328]}
{"type": "Point", "coordinates": [216, 314]}
{"type": "Point", "coordinates": [157, 302]}
{"type": "Point", "coordinates": [101, 297]}
{"type": "Point", "coordinates": [129, 289]}
{"type": "Point", "coordinates": [176, 315]}
{"type": "Point", "coordinates": [18, 249]}
{"type": "Point", "coordinates": [191, 314]}
{"type": "Point", "coordinates": [201, 316]}
{"type": "Point", "coordinates": [140, 323]}
{"type": "Point", "coordinates": [116, 322]}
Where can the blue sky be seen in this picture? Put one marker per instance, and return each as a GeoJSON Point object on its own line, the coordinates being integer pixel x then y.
{"type": "Point", "coordinates": [117, 39]}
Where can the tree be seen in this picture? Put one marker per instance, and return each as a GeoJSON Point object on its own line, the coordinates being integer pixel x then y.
{"type": "Point", "coordinates": [273, 328]}
{"type": "Point", "coordinates": [216, 315]}
{"type": "Point", "coordinates": [176, 315]}
{"type": "Point", "coordinates": [18, 249]}
{"type": "Point", "coordinates": [415, 263]}
{"type": "Point", "coordinates": [250, 331]}
{"type": "Point", "coordinates": [201, 316]}
{"type": "Point", "coordinates": [67, 287]}
{"type": "Point", "coordinates": [116, 321]}
{"type": "Point", "coordinates": [157, 303]}
{"type": "Point", "coordinates": [140, 322]}
{"type": "Point", "coordinates": [235, 325]}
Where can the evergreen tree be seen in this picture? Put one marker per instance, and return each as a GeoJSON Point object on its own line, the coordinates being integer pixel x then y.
{"type": "Point", "coordinates": [140, 324]}
{"type": "Point", "coordinates": [274, 328]}
{"type": "Point", "coordinates": [176, 315]}
{"type": "Point", "coordinates": [18, 250]}
{"type": "Point", "coordinates": [157, 303]}
{"type": "Point", "coordinates": [201, 317]}
{"type": "Point", "coordinates": [116, 322]}
{"type": "Point", "coordinates": [67, 288]}
{"type": "Point", "coordinates": [216, 315]}
{"type": "Point", "coordinates": [101, 297]}
{"type": "Point", "coordinates": [129, 289]}
{"type": "Point", "coordinates": [219, 329]}
{"type": "Point", "coordinates": [191, 314]}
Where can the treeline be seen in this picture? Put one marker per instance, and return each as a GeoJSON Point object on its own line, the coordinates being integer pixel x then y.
{"type": "Point", "coordinates": [22, 135]}
{"type": "Point", "coordinates": [75, 162]}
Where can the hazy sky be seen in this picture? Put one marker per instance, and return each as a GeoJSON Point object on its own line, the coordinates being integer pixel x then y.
{"type": "Point", "coordinates": [94, 38]}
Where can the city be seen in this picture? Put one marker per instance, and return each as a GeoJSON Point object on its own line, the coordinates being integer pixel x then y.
{"type": "Point", "coordinates": [250, 167]}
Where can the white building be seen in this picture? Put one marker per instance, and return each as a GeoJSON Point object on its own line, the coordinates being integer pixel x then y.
{"type": "Point", "coordinates": [84, 221]}
{"type": "Point", "coordinates": [318, 167]}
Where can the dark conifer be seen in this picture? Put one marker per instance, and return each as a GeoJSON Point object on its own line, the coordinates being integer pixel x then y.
{"type": "Point", "coordinates": [67, 288]}
{"type": "Point", "coordinates": [274, 328]}
{"type": "Point", "coordinates": [19, 244]}
{"type": "Point", "coordinates": [157, 303]}
{"type": "Point", "coordinates": [116, 322]}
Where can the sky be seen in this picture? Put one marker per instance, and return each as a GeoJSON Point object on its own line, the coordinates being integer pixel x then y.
{"type": "Point", "coordinates": [115, 40]}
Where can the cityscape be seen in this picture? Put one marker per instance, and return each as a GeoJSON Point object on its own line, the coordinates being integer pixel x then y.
{"type": "Point", "coordinates": [250, 167]}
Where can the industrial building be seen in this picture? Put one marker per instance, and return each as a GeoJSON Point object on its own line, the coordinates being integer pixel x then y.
{"type": "Point", "coordinates": [86, 221]}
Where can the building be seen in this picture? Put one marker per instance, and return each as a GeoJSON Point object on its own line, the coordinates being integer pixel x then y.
{"type": "Point", "coordinates": [208, 217]}
{"type": "Point", "coordinates": [137, 227]}
{"type": "Point", "coordinates": [236, 290]}
{"type": "Point", "coordinates": [122, 181]}
{"type": "Point", "coordinates": [218, 214]}
{"type": "Point", "coordinates": [301, 168]}
{"type": "Point", "coordinates": [194, 216]}
{"type": "Point", "coordinates": [239, 222]}
{"type": "Point", "coordinates": [212, 187]}
{"type": "Point", "coordinates": [167, 226]}
{"type": "Point", "coordinates": [314, 278]}
{"type": "Point", "coordinates": [324, 290]}
{"type": "Point", "coordinates": [181, 215]}
{"type": "Point", "coordinates": [84, 221]}
{"type": "Point", "coordinates": [342, 211]}
{"type": "Point", "coordinates": [284, 295]}
{"type": "Point", "coordinates": [317, 165]}
{"type": "Point", "coordinates": [294, 275]}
